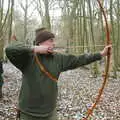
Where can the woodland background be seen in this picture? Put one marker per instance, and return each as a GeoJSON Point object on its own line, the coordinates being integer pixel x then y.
{"type": "Point", "coordinates": [78, 24]}
{"type": "Point", "coordinates": [80, 28]}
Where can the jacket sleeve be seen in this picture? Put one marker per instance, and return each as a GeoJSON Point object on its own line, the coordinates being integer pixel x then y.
{"type": "Point", "coordinates": [19, 55]}
{"type": "Point", "coordinates": [71, 62]}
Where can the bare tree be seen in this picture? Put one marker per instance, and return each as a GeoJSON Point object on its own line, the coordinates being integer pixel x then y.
{"type": "Point", "coordinates": [43, 8]}
{"type": "Point", "coordinates": [25, 8]}
{"type": "Point", "coordinates": [4, 18]}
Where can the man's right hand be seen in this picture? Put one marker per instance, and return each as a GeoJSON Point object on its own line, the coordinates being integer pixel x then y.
{"type": "Point", "coordinates": [43, 49]}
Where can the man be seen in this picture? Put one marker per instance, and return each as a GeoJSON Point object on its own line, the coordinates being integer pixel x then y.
{"type": "Point", "coordinates": [37, 99]}
{"type": "Point", "coordinates": [37, 31]}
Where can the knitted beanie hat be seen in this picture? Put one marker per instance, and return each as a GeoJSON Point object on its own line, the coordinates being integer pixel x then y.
{"type": "Point", "coordinates": [43, 36]}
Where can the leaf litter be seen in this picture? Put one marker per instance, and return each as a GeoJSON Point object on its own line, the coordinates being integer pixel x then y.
{"type": "Point", "coordinates": [77, 92]}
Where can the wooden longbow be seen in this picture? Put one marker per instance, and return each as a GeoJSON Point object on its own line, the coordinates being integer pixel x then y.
{"type": "Point", "coordinates": [107, 67]}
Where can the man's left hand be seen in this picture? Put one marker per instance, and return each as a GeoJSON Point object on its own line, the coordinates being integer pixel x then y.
{"type": "Point", "coordinates": [106, 51]}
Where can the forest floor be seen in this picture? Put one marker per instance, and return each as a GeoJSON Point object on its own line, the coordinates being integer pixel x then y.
{"type": "Point", "coordinates": [77, 91]}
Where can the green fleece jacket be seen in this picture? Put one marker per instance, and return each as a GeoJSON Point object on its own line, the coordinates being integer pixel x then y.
{"type": "Point", "coordinates": [38, 93]}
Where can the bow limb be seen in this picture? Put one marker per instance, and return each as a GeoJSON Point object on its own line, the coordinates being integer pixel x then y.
{"type": "Point", "coordinates": [107, 67]}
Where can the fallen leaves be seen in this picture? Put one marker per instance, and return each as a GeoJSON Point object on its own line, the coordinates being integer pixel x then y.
{"type": "Point", "coordinates": [77, 91]}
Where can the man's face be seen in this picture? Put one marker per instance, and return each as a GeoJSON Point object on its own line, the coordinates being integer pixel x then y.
{"type": "Point", "coordinates": [49, 43]}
